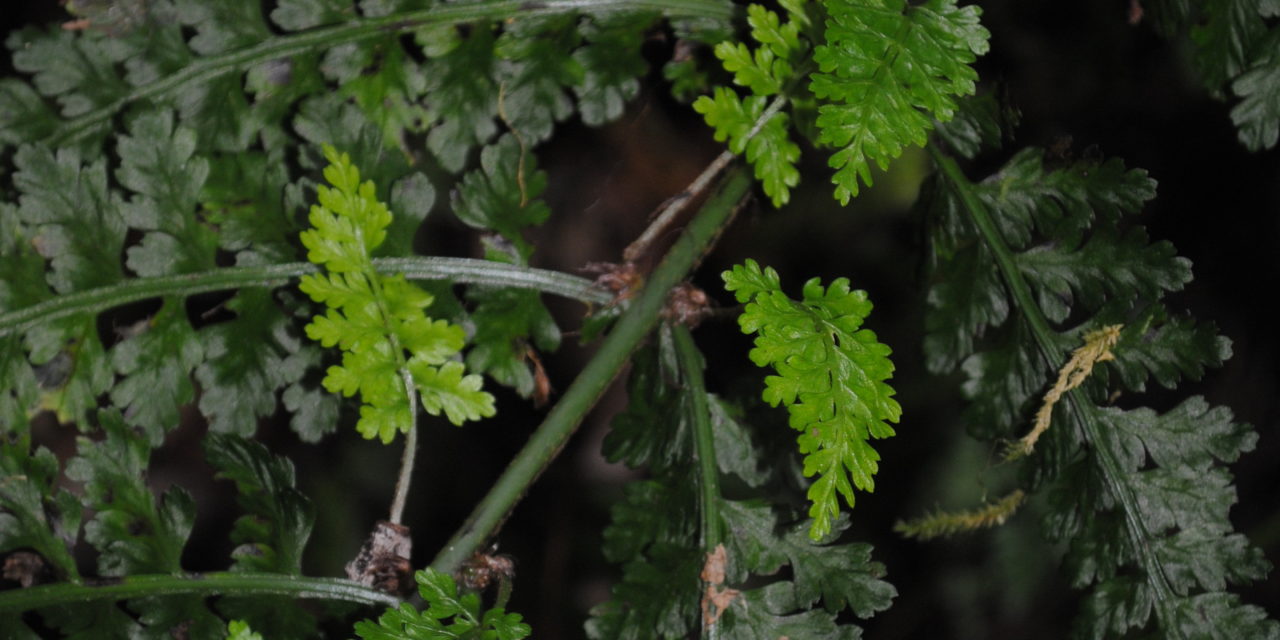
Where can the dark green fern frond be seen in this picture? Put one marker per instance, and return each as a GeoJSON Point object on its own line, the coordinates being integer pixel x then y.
{"type": "Point", "coordinates": [1026, 264]}
{"type": "Point", "coordinates": [1234, 46]}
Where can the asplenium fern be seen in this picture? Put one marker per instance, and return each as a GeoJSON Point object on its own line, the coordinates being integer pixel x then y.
{"type": "Point", "coordinates": [390, 347]}
{"type": "Point", "coordinates": [879, 75]}
{"type": "Point", "coordinates": [149, 145]}
{"type": "Point", "coordinates": [766, 72]}
{"type": "Point", "coordinates": [831, 377]}
{"type": "Point", "coordinates": [1038, 259]}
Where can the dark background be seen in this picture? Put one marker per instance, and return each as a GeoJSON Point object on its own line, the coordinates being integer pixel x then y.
{"type": "Point", "coordinates": [1079, 72]}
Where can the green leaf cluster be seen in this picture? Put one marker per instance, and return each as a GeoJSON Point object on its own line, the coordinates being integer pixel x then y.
{"type": "Point", "coordinates": [788, 584]}
{"type": "Point", "coordinates": [235, 72]}
{"type": "Point", "coordinates": [880, 74]}
{"type": "Point", "coordinates": [743, 122]}
{"type": "Point", "coordinates": [1024, 264]}
{"type": "Point", "coordinates": [830, 375]}
{"type": "Point", "coordinates": [1234, 45]}
{"type": "Point", "coordinates": [501, 197]}
{"type": "Point", "coordinates": [224, 109]}
{"type": "Point", "coordinates": [377, 319]}
{"type": "Point", "coordinates": [448, 615]}
{"type": "Point", "coordinates": [71, 216]}
{"type": "Point", "coordinates": [886, 68]}
{"type": "Point", "coordinates": [240, 630]}
{"type": "Point", "coordinates": [134, 531]}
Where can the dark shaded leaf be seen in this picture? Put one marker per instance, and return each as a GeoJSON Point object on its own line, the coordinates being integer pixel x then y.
{"type": "Point", "coordinates": [155, 367]}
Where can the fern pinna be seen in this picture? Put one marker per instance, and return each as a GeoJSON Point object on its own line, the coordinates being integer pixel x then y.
{"type": "Point", "coordinates": [1036, 262]}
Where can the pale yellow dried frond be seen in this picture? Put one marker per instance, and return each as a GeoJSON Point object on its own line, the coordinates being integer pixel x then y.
{"type": "Point", "coordinates": [1097, 348]}
{"type": "Point", "coordinates": [942, 523]}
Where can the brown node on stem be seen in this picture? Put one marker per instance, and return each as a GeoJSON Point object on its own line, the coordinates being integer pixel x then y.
{"type": "Point", "coordinates": [716, 598]}
{"type": "Point", "coordinates": [383, 561]}
{"type": "Point", "coordinates": [687, 305]}
{"type": "Point", "coordinates": [485, 568]}
{"type": "Point", "coordinates": [623, 279]}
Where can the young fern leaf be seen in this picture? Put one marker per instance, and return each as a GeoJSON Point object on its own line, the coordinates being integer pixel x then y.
{"type": "Point", "coordinates": [376, 319]}
{"type": "Point", "coordinates": [767, 145]}
{"type": "Point", "coordinates": [240, 630]}
{"type": "Point", "coordinates": [830, 376]}
{"type": "Point", "coordinates": [448, 615]}
{"type": "Point", "coordinates": [886, 69]}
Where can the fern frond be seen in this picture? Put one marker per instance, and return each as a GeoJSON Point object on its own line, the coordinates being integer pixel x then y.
{"type": "Point", "coordinates": [1140, 498]}
{"type": "Point", "coordinates": [1233, 46]}
{"type": "Point", "coordinates": [376, 319]}
{"type": "Point", "coordinates": [886, 69]}
{"type": "Point", "coordinates": [654, 533]}
{"type": "Point", "coordinates": [746, 123]}
{"type": "Point", "coordinates": [830, 376]}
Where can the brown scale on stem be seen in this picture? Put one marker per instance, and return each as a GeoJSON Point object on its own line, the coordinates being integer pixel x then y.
{"type": "Point", "coordinates": [383, 561]}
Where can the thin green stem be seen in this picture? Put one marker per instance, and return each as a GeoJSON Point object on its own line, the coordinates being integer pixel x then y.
{"type": "Point", "coordinates": [461, 270]}
{"type": "Point", "coordinates": [691, 365]}
{"type": "Point", "coordinates": [405, 476]}
{"type": "Point", "coordinates": [595, 378]}
{"type": "Point", "coordinates": [204, 70]}
{"type": "Point", "coordinates": [673, 206]}
{"type": "Point", "coordinates": [1004, 256]}
{"type": "Point", "coordinates": [16, 601]}
{"type": "Point", "coordinates": [1081, 409]}
{"type": "Point", "coordinates": [410, 450]}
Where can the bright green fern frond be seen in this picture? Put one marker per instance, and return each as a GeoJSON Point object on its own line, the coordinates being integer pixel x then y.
{"type": "Point", "coordinates": [886, 70]}
{"type": "Point", "coordinates": [777, 581]}
{"type": "Point", "coordinates": [376, 319]}
{"type": "Point", "coordinates": [448, 615]}
{"type": "Point", "coordinates": [831, 378]}
{"type": "Point", "coordinates": [765, 71]}
{"type": "Point", "coordinates": [770, 150]}
{"type": "Point", "coordinates": [240, 630]}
